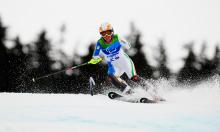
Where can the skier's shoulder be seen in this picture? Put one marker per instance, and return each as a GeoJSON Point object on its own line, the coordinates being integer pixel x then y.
{"type": "Point", "coordinates": [116, 36]}
{"type": "Point", "coordinates": [100, 42]}
{"type": "Point", "coordinates": [120, 39]}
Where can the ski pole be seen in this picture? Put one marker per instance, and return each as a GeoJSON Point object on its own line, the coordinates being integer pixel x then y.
{"type": "Point", "coordinates": [71, 68]}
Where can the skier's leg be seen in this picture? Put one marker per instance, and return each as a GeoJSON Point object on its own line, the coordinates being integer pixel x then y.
{"type": "Point", "coordinates": [130, 70]}
{"type": "Point", "coordinates": [118, 83]}
{"type": "Point", "coordinates": [114, 77]}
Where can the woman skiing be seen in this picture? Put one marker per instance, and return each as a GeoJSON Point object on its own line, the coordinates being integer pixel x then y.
{"type": "Point", "coordinates": [111, 47]}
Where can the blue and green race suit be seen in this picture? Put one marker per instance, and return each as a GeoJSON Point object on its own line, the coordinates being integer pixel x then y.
{"type": "Point", "coordinates": [118, 61]}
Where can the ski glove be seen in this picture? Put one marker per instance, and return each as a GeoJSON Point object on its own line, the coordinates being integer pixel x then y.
{"type": "Point", "coordinates": [95, 60]}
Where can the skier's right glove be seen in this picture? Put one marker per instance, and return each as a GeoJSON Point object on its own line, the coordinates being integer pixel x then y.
{"type": "Point", "coordinates": [95, 60]}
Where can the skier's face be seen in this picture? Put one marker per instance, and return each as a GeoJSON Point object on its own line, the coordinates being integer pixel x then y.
{"type": "Point", "coordinates": [107, 35]}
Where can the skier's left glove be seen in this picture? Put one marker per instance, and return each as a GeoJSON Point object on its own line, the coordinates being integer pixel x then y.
{"type": "Point", "coordinates": [95, 60]}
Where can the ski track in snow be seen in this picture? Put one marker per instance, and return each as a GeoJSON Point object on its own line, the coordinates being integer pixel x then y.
{"type": "Point", "coordinates": [194, 109]}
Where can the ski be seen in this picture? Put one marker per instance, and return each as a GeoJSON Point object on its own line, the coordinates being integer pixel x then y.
{"type": "Point", "coordinates": [116, 96]}
{"type": "Point", "coordinates": [113, 95]}
{"type": "Point", "coordinates": [146, 100]}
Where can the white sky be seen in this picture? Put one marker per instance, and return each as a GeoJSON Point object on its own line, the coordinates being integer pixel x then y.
{"type": "Point", "coordinates": [175, 21]}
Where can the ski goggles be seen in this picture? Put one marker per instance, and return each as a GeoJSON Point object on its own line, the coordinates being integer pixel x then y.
{"type": "Point", "coordinates": [105, 33]}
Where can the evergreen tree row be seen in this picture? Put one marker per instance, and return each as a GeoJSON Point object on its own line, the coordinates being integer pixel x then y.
{"type": "Point", "coordinates": [21, 62]}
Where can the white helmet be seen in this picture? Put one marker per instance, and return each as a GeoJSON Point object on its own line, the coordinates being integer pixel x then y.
{"type": "Point", "coordinates": [105, 27]}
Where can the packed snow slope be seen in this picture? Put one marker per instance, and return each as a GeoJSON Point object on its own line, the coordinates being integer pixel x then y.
{"type": "Point", "coordinates": [187, 109]}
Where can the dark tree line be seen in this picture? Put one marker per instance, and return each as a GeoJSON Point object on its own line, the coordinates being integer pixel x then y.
{"type": "Point", "coordinates": [197, 68]}
{"type": "Point", "coordinates": [20, 63]}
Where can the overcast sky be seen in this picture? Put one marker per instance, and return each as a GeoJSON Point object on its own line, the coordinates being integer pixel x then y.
{"type": "Point", "coordinates": [175, 21]}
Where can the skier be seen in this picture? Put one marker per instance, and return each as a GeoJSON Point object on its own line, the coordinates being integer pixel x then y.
{"type": "Point", "coordinates": [111, 47]}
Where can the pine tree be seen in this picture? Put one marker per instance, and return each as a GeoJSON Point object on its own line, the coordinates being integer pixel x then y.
{"type": "Point", "coordinates": [18, 65]}
{"type": "Point", "coordinates": [189, 73]}
{"type": "Point", "coordinates": [141, 63]}
{"type": "Point", "coordinates": [207, 65]}
{"type": "Point", "coordinates": [43, 63]}
{"type": "Point", "coordinates": [216, 60]}
{"type": "Point", "coordinates": [3, 59]}
{"type": "Point", "coordinates": [162, 62]}
{"type": "Point", "coordinates": [138, 55]}
{"type": "Point", "coordinates": [43, 48]}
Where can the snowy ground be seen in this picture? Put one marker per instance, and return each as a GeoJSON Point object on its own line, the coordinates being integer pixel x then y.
{"type": "Point", "coordinates": [194, 109]}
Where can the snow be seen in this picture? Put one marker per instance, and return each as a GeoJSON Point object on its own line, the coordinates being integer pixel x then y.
{"type": "Point", "coordinates": [186, 109]}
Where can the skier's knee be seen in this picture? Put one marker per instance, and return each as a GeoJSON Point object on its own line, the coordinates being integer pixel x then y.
{"type": "Point", "coordinates": [117, 83]}
{"type": "Point", "coordinates": [140, 81]}
{"type": "Point", "coordinates": [135, 78]}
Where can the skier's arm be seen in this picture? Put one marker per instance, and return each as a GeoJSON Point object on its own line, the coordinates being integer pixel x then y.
{"type": "Point", "coordinates": [96, 57]}
{"type": "Point", "coordinates": [95, 60]}
{"type": "Point", "coordinates": [126, 45]}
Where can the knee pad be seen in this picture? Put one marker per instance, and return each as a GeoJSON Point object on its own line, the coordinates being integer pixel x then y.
{"type": "Point", "coordinates": [117, 83]}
